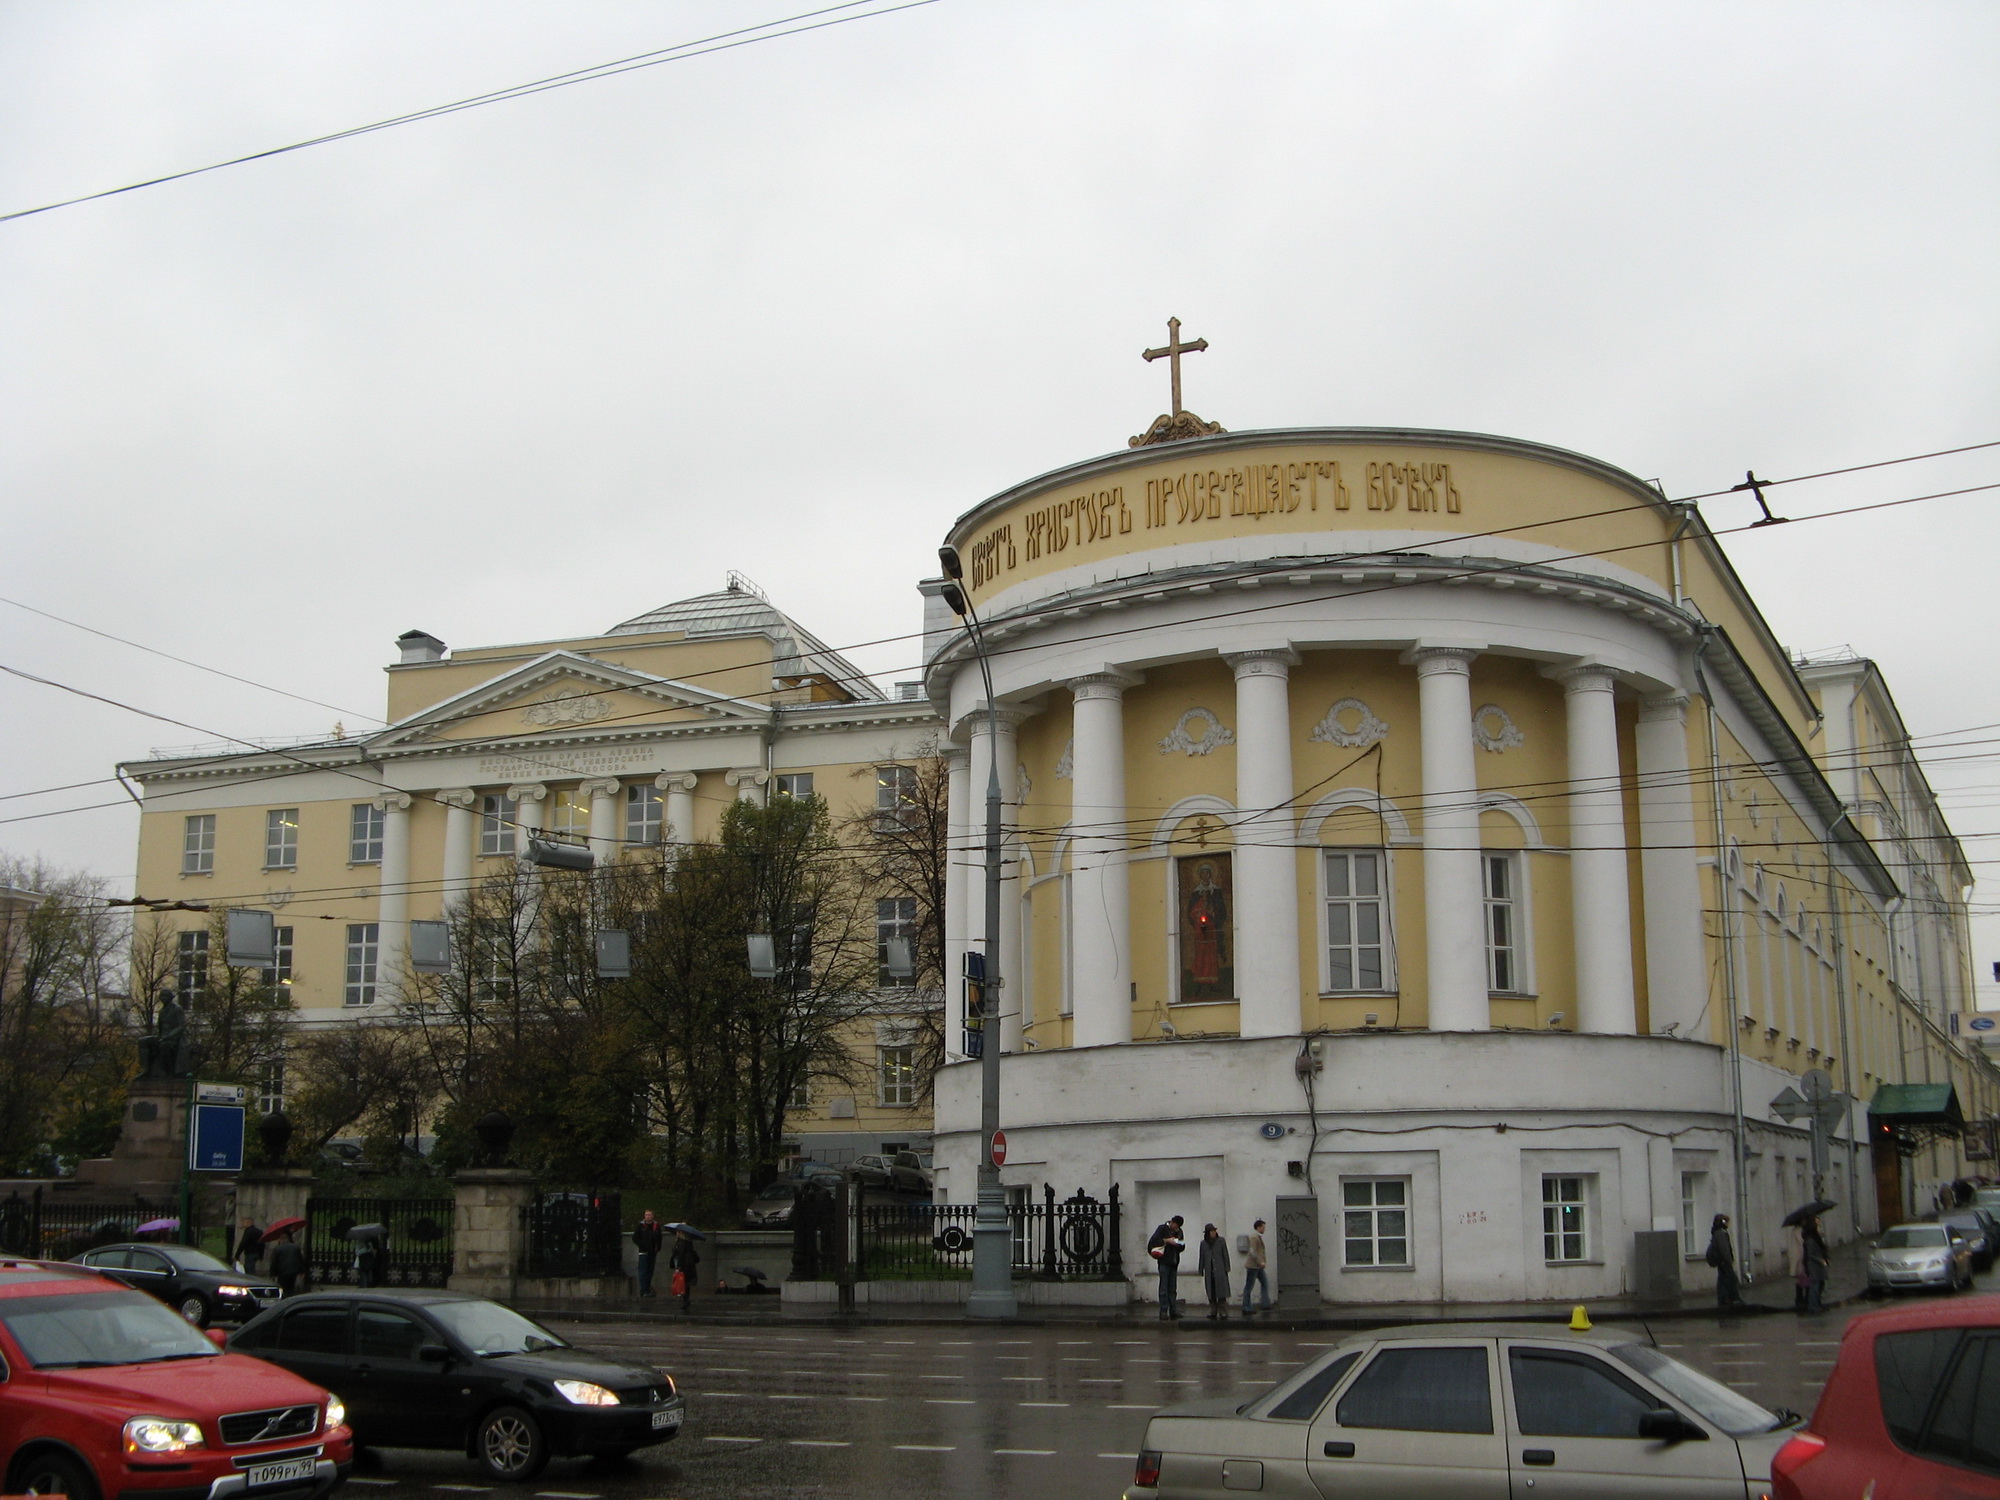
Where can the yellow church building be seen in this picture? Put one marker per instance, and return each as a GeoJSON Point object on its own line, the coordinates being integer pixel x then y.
{"type": "Point", "coordinates": [1418, 840]}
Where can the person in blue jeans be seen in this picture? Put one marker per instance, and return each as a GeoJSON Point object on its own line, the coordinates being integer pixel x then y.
{"type": "Point", "coordinates": [1253, 1268]}
{"type": "Point", "coordinates": [1165, 1247]}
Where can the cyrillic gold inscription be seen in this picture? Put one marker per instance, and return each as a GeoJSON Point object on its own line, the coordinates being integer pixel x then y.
{"type": "Point", "coordinates": [1417, 486]}
{"type": "Point", "coordinates": [1080, 518]}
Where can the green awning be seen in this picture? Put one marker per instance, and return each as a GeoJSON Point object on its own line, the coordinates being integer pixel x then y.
{"type": "Point", "coordinates": [1917, 1104]}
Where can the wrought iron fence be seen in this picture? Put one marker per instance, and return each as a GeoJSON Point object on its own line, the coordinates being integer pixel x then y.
{"type": "Point", "coordinates": [416, 1249]}
{"type": "Point", "coordinates": [48, 1227]}
{"type": "Point", "coordinates": [1076, 1239]}
{"type": "Point", "coordinates": [574, 1234]}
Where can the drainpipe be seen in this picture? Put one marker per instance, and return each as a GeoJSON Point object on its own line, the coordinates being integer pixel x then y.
{"type": "Point", "coordinates": [1726, 906]}
{"type": "Point", "coordinates": [1837, 909]}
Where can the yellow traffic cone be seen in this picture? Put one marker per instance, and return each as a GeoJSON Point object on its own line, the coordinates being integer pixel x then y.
{"type": "Point", "coordinates": [1579, 1320]}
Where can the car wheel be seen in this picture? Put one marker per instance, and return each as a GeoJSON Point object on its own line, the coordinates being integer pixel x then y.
{"type": "Point", "coordinates": [194, 1307]}
{"type": "Point", "coordinates": [509, 1444]}
{"type": "Point", "coordinates": [56, 1474]}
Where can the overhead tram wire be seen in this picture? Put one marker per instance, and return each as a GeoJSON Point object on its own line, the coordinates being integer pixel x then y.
{"type": "Point", "coordinates": [252, 748]}
{"type": "Point", "coordinates": [680, 52]}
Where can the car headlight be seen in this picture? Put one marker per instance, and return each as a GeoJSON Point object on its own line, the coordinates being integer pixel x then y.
{"type": "Point", "coordinates": [232, 1291]}
{"type": "Point", "coordinates": [161, 1435]}
{"type": "Point", "coordinates": [671, 1387]}
{"type": "Point", "coordinates": [583, 1393]}
{"type": "Point", "coordinates": [336, 1411]}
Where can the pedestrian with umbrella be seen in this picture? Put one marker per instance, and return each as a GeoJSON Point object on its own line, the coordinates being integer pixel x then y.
{"type": "Point", "coordinates": [1722, 1255]}
{"type": "Point", "coordinates": [1809, 1260]}
{"type": "Point", "coordinates": [684, 1262]}
{"type": "Point", "coordinates": [371, 1253]}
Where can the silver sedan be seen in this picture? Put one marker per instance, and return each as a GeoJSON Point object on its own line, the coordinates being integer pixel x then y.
{"type": "Point", "coordinates": [1455, 1411]}
{"type": "Point", "coordinates": [1911, 1257]}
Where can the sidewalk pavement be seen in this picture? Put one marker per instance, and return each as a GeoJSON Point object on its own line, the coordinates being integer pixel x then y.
{"type": "Point", "coordinates": [1846, 1281]}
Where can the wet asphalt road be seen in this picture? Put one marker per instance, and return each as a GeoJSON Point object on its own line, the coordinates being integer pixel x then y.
{"type": "Point", "coordinates": [1048, 1413]}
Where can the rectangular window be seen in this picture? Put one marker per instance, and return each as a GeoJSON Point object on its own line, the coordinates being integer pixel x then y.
{"type": "Point", "coordinates": [1356, 920]}
{"type": "Point", "coordinates": [569, 817]}
{"type": "Point", "coordinates": [271, 1088]}
{"type": "Point", "coordinates": [191, 962]}
{"type": "Point", "coordinates": [895, 920]}
{"type": "Point", "coordinates": [281, 950]}
{"type": "Point", "coordinates": [364, 834]}
{"type": "Point", "coordinates": [896, 1074]}
{"type": "Point", "coordinates": [364, 941]}
{"type": "Point", "coordinates": [796, 784]}
{"type": "Point", "coordinates": [1503, 922]}
{"type": "Point", "coordinates": [1375, 1224]}
{"type": "Point", "coordinates": [497, 816]}
{"type": "Point", "coordinates": [1694, 1190]}
{"type": "Point", "coordinates": [281, 838]}
{"type": "Point", "coordinates": [895, 796]}
{"type": "Point", "coordinates": [493, 957]}
{"type": "Point", "coordinates": [198, 845]}
{"type": "Point", "coordinates": [642, 815]}
{"type": "Point", "coordinates": [1565, 1219]}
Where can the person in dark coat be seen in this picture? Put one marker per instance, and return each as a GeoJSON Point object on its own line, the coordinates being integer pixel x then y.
{"type": "Point", "coordinates": [1213, 1263]}
{"type": "Point", "coordinates": [648, 1237]}
{"type": "Point", "coordinates": [1722, 1255]}
{"type": "Point", "coordinates": [1165, 1247]}
{"type": "Point", "coordinates": [249, 1247]}
{"type": "Point", "coordinates": [686, 1260]}
{"type": "Point", "coordinates": [287, 1262]}
{"type": "Point", "coordinates": [1814, 1262]}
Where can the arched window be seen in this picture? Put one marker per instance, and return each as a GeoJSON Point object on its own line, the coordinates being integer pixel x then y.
{"type": "Point", "coordinates": [1757, 881]}
{"type": "Point", "coordinates": [1781, 903]}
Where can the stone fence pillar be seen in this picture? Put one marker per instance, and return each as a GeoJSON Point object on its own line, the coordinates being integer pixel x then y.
{"type": "Point", "coordinates": [267, 1194]}
{"type": "Point", "coordinates": [488, 1236]}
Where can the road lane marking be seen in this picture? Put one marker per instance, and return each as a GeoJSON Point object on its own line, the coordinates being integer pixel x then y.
{"type": "Point", "coordinates": [864, 1398]}
{"type": "Point", "coordinates": [1041, 1403]}
{"type": "Point", "coordinates": [470, 1489]}
{"type": "Point", "coordinates": [357, 1479]}
{"type": "Point", "coordinates": [1132, 1456]}
{"type": "Point", "coordinates": [718, 1393]}
{"type": "Point", "coordinates": [564, 1495]}
{"type": "Point", "coordinates": [924, 1448]}
{"type": "Point", "coordinates": [818, 1443]}
{"type": "Point", "coordinates": [779, 1396]}
{"type": "Point", "coordinates": [714, 1438]}
{"type": "Point", "coordinates": [940, 1377]}
{"type": "Point", "coordinates": [949, 1401]}
{"type": "Point", "coordinates": [1114, 1406]}
{"type": "Point", "coordinates": [1100, 1380]}
{"type": "Point", "coordinates": [1026, 1452]}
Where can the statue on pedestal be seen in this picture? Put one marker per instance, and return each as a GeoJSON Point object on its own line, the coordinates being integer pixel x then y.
{"type": "Point", "coordinates": [163, 1052]}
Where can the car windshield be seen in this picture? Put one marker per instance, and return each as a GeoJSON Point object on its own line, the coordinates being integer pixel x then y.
{"type": "Point", "coordinates": [201, 1260]}
{"type": "Point", "coordinates": [1912, 1237]}
{"type": "Point", "coordinates": [1736, 1415]}
{"type": "Point", "coordinates": [488, 1328]}
{"type": "Point", "coordinates": [86, 1329]}
{"type": "Point", "coordinates": [779, 1190]}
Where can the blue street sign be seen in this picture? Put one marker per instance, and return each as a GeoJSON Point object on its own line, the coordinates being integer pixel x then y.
{"type": "Point", "coordinates": [215, 1143]}
{"type": "Point", "coordinates": [1982, 1023]}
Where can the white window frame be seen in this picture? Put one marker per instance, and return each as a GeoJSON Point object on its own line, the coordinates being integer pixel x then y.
{"type": "Point", "coordinates": [895, 795]}
{"type": "Point", "coordinates": [198, 844]}
{"type": "Point", "coordinates": [896, 924]}
{"type": "Point", "coordinates": [1374, 1208]}
{"type": "Point", "coordinates": [896, 1075]}
{"type": "Point", "coordinates": [499, 815]}
{"type": "Point", "coordinates": [569, 817]}
{"type": "Point", "coordinates": [1568, 1200]}
{"type": "Point", "coordinates": [270, 1086]}
{"type": "Point", "coordinates": [1386, 888]}
{"type": "Point", "coordinates": [365, 825]}
{"type": "Point", "coordinates": [645, 814]}
{"type": "Point", "coordinates": [1694, 1196]}
{"type": "Point", "coordinates": [799, 784]}
{"type": "Point", "coordinates": [281, 838]}
{"type": "Point", "coordinates": [281, 950]}
{"type": "Point", "coordinates": [364, 954]}
{"type": "Point", "coordinates": [191, 954]}
{"type": "Point", "coordinates": [1520, 913]}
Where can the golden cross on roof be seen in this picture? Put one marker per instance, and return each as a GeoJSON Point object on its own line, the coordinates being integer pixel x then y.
{"type": "Point", "coordinates": [1172, 354]}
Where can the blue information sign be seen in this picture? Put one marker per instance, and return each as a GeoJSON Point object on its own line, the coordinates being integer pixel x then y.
{"type": "Point", "coordinates": [215, 1144]}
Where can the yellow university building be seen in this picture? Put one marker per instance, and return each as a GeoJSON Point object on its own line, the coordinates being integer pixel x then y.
{"type": "Point", "coordinates": [1418, 840]}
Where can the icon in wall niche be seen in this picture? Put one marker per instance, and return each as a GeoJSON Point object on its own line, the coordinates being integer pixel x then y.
{"type": "Point", "coordinates": [1197, 733]}
{"type": "Point", "coordinates": [1066, 762]}
{"type": "Point", "coordinates": [1494, 729]}
{"type": "Point", "coordinates": [1207, 938]}
{"type": "Point", "coordinates": [1350, 724]}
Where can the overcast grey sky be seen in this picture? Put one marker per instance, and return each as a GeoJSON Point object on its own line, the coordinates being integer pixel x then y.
{"type": "Point", "coordinates": [528, 370]}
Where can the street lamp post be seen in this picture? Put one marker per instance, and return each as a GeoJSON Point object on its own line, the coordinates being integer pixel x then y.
{"type": "Point", "coordinates": [992, 1236]}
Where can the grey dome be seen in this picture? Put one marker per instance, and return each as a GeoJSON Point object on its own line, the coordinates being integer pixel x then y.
{"type": "Point", "coordinates": [739, 611]}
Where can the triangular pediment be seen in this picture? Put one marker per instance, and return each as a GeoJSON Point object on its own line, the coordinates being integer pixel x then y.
{"type": "Point", "coordinates": [564, 693]}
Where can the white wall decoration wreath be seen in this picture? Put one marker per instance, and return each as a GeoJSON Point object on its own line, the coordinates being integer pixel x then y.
{"type": "Point", "coordinates": [1350, 724]}
{"type": "Point", "coordinates": [1494, 729]}
{"type": "Point", "coordinates": [1213, 734]}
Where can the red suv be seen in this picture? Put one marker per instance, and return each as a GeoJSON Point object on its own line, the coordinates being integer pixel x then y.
{"type": "Point", "coordinates": [105, 1394]}
{"type": "Point", "coordinates": [1911, 1412]}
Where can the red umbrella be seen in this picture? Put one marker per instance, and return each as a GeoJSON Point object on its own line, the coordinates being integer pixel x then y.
{"type": "Point", "coordinates": [282, 1226]}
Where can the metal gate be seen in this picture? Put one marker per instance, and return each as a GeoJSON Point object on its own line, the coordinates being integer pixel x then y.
{"type": "Point", "coordinates": [416, 1251]}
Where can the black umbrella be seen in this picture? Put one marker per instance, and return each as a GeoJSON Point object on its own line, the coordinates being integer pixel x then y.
{"type": "Point", "coordinates": [1811, 1210]}
{"type": "Point", "coordinates": [381, 1232]}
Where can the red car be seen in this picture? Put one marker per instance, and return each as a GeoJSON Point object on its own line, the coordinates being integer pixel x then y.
{"type": "Point", "coordinates": [1912, 1410]}
{"type": "Point", "coordinates": [106, 1394]}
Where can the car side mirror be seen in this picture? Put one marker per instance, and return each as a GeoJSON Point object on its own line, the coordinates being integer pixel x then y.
{"type": "Point", "coordinates": [218, 1338]}
{"type": "Point", "coordinates": [434, 1354]}
{"type": "Point", "coordinates": [1664, 1425]}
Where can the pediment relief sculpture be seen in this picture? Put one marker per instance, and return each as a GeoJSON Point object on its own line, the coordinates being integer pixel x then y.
{"type": "Point", "coordinates": [568, 705]}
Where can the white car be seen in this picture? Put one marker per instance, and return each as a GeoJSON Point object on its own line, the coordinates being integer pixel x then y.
{"type": "Point", "coordinates": [1472, 1411]}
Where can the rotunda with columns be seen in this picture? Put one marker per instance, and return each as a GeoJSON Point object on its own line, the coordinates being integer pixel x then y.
{"type": "Point", "coordinates": [1375, 802]}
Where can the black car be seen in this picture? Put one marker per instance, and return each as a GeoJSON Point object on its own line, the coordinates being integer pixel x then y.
{"type": "Point", "coordinates": [194, 1283]}
{"type": "Point", "coordinates": [428, 1369]}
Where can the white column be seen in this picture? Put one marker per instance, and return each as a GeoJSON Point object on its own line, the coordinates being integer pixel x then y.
{"type": "Point", "coordinates": [461, 834]}
{"type": "Point", "coordinates": [394, 910]}
{"type": "Point", "coordinates": [749, 784]}
{"type": "Point", "coordinates": [1454, 899]}
{"type": "Point", "coordinates": [528, 800]}
{"type": "Point", "coordinates": [604, 810]}
{"type": "Point", "coordinates": [1011, 956]}
{"type": "Point", "coordinates": [1600, 894]}
{"type": "Point", "coordinates": [959, 882]}
{"type": "Point", "coordinates": [1100, 888]}
{"type": "Point", "coordinates": [679, 787]}
{"type": "Point", "coordinates": [1267, 864]}
{"type": "Point", "coordinates": [1669, 872]}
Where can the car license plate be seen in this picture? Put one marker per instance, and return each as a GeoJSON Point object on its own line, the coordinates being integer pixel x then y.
{"type": "Point", "coordinates": [666, 1421]}
{"type": "Point", "coordinates": [290, 1472]}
